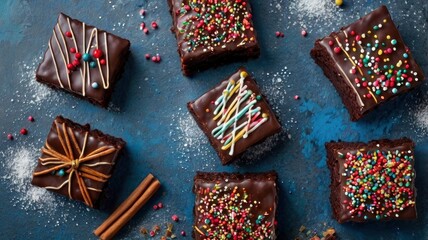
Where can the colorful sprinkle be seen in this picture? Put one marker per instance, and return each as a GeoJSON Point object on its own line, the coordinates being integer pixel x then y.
{"type": "Point", "coordinates": [97, 53]}
{"type": "Point", "coordinates": [304, 33]}
{"type": "Point", "coordinates": [339, 2]}
{"type": "Point", "coordinates": [154, 25]}
{"type": "Point", "coordinates": [68, 34]}
{"type": "Point", "coordinates": [175, 218]}
{"type": "Point", "coordinates": [215, 23]}
{"type": "Point", "coordinates": [378, 182]}
{"type": "Point", "coordinates": [30, 118]}
{"type": "Point", "coordinates": [95, 85]}
{"type": "Point", "coordinates": [10, 136]}
{"type": "Point", "coordinates": [23, 131]}
{"type": "Point", "coordinates": [87, 57]}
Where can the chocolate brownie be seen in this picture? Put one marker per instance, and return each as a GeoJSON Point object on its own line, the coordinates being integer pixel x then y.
{"type": "Point", "coordinates": [231, 123]}
{"type": "Point", "coordinates": [368, 62]}
{"type": "Point", "coordinates": [373, 181]}
{"type": "Point", "coordinates": [211, 33]}
{"type": "Point", "coordinates": [235, 206]}
{"type": "Point", "coordinates": [83, 60]}
{"type": "Point", "coordinates": [76, 161]}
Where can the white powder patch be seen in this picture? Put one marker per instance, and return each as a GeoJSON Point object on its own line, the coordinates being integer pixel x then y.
{"type": "Point", "coordinates": [193, 145]}
{"type": "Point", "coordinates": [18, 164]}
{"type": "Point", "coordinates": [421, 119]}
{"type": "Point", "coordinates": [315, 14]}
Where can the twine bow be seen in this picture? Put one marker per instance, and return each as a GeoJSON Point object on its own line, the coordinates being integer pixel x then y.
{"type": "Point", "coordinates": [76, 166]}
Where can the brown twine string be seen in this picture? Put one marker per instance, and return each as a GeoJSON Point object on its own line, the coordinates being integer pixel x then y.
{"type": "Point", "coordinates": [74, 164]}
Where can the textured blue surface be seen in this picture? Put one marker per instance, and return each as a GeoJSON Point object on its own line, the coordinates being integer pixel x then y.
{"type": "Point", "coordinates": [148, 111]}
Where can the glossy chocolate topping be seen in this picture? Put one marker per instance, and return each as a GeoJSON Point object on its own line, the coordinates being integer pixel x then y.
{"type": "Point", "coordinates": [373, 59]}
{"type": "Point", "coordinates": [375, 181]}
{"type": "Point", "coordinates": [207, 30]}
{"type": "Point", "coordinates": [95, 140]}
{"type": "Point", "coordinates": [247, 203]}
{"type": "Point", "coordinates": [62, 67]}
{"type": "Point", "coordinates": [203, 109]}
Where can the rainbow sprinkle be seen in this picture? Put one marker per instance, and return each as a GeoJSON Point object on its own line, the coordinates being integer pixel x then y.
{"type": "Point", "coordinates": [215, 23]}
{"type": "Point", "coordinates": [230, 213]}
{"type": "Point", "coordinates": [378, 184]}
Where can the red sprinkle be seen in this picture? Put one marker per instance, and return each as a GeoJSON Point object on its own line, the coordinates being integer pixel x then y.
{"type": "Point", "coordinates": [23, 131]}
{"type": "Point", "coordinates": [330, 43]}
{"type": "Point", "coordinates": [142, 26]}
{"type": "Point", "coordinates": [154, 59]}
{"type": "Point", "coordinates": [146, 30]}
{"type": "Point", "coordinates": [296, 97]}
{"type": "Point", "coordinates": [103, 62]}
{"type": "Point", "coordinates": [76, 62]}
{"type": "Point", "coordinates": [68, 34]}
{"type": "Point", "coordinates": [337, 49]}
{"type": "Point", "coordinates": [10, 137]}
{"type": "Point", "coordinates": [154, 25]}
{"type": "Point", "coordinates": [72, 50]}
{"type": "Point", "coordinates": [78, 55]}
{"type": "Point", "coordinates": [183, 233]}
{"type": "Point", "coordinates": [30, 118]}
{"type": "Point", "coordinates": [160, 205]}
{"type": "Point", "coordinates": [142, 12]}
{"type": "Point", "coordinates": [277, 34]}
{"type": "Point", "coordinates": [175, 218]}
{"type": "Point", "coordinates": [155, 207]}
{"type": "Point", "coordinates": [304, 33]}
{"type": "Point", "coordinates": [97, 53]}
{"type": "Point", "coordinates": [70, 66]}
{"type": "Point", "coordinates": [147, 56]}
{"type": "Point", "coordinates": [152, 233]}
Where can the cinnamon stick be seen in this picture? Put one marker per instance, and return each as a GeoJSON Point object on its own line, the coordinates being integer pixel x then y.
{"type": "Point", "coordinates": [128, 208]}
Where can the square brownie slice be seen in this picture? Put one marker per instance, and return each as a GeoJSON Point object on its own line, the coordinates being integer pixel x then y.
{"type": "Point", "coordinates": [368, 62]}
{"type": "Point", "coordinates": [373, 181]}
{"type": "Point", "coordinates": [235, 206]}
{"type": "Point", "coordinates": [212, 33]}
{"type": "Point", "coordinates": [234, 115]}
{"type": "Point", "coordinates": [76, 161]}
{"type": "Point", "coordinates": [83, 60]}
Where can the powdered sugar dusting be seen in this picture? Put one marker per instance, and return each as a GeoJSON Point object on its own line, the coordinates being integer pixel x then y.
{"type": "Point", "coordinates": [421, 119]}
{"type": "Point", "coordinates": [192, 142]}
{"type": "Point", "coordinates": [317, 13]}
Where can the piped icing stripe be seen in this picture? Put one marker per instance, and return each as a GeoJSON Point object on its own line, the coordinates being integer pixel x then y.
{"type": "Point", "coordinates": [236, 119]}
{"type": "Point", "coordinates": [83, 62]}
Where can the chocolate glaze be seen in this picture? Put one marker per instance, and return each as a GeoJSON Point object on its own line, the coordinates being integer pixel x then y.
{"type": "Point", "coordinates": [96, 139]}
{"type": "Point", "coordinates": [335, 66]}
{"type": "Point", "coordinates": [336, 166]}
{"type": "Point", "coordinates": [202, 58]}
{"type": "Point", "coordinates": [118, 51]}
{"type": "Point", "coordinates": [259, 186]}
{"type": "Point", "coordinates": [207, 124]}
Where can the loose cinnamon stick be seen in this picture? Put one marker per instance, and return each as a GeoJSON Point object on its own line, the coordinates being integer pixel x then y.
{"type": "Point", "coordinates": [128, 208]}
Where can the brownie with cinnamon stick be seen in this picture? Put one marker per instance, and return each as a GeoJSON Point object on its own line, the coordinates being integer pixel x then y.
{"type": "Point", "coordinates": [76, 161]}
{"type": "Point", "coordinates": [231, 203]}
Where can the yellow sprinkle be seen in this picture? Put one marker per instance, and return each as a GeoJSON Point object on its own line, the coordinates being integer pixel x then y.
{"type": "Point", "coordinates": [388, 37]}
{"type": "Point", "coordinates": [354, 49]}
{"type": "Point", "coordinates": [265, 115]}
{"type": "Point", "coordinates": [369, 32]}
{"type": "Point", "coordinates": [232, 81]}
{"type": "Point", "coordinates": [244, 74]}
{"type": "Point", "coordinates": [399, 63]}
{"type": "Point", "coordinates": [363, 35]}
{"type": "Point", "coordinates": [384, 20]}
{"type": "Point", "coordinates": [207, 110]}
{"type": "Point", "coordinates": [375, 36]}
{"type": "Point", "coordinates": [339, 2]}
{"type": "Point", "coordinates": [379, 52]}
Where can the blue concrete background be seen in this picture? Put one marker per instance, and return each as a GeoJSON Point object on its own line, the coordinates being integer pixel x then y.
{"type": "Point", "coordinates": [148, 110]}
